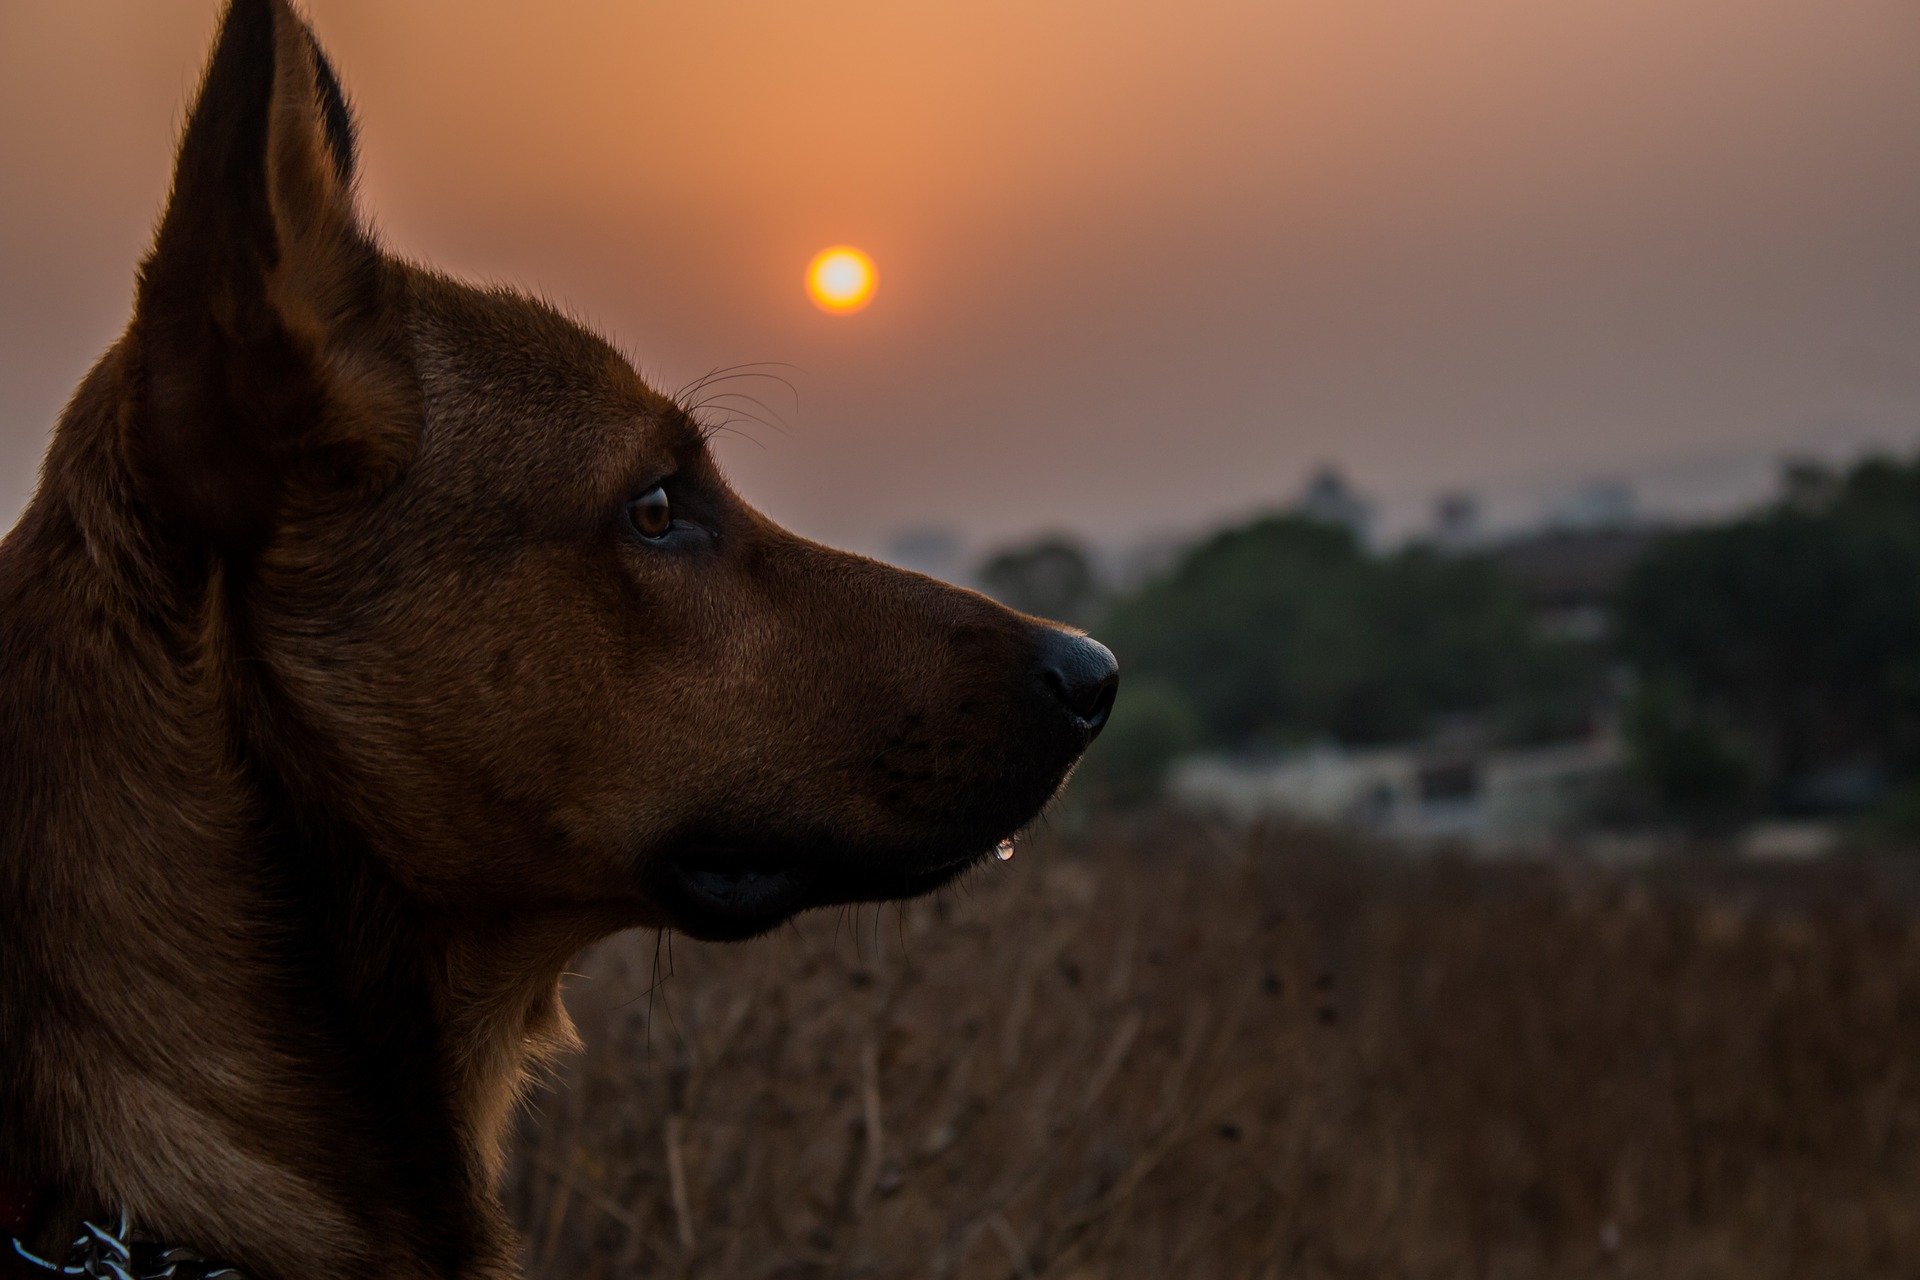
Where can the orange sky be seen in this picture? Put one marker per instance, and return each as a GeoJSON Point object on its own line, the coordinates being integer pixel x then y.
{"type": "Point", "coordinates": [1142, 264]}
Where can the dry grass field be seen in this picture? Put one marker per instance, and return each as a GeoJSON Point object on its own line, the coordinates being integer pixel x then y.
{"type": "Point", "coordinates": [1170, 1051]}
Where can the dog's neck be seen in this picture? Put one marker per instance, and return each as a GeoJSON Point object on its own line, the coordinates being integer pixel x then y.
{"type": "Point", "coordinates": [228, 1017]}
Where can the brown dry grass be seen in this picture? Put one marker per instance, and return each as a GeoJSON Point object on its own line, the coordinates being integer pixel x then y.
{"type": "Point", "coordinates": [1173, 1052]}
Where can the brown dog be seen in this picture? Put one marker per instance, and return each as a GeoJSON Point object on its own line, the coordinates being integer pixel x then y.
{"type": "Point", "coordinates": [373, 643]}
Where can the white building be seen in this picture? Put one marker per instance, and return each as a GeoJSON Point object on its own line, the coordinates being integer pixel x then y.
{"type": "Point", "coordinates": [1492, 799]}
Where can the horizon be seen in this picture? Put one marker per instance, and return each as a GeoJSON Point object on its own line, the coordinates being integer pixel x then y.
{"type": "Point", "coordinates": [1142, 272]}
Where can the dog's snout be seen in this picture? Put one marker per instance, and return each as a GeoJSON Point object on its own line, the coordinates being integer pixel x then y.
{"type": "Point", "coordinates": [1082, 673]}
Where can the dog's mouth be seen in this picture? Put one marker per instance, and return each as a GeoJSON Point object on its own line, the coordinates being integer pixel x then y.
{"type": "Point", "coordinates": [727, 891]}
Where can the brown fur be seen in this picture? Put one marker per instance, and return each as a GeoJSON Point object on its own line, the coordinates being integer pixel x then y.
{"type": "Point", "coordinates": [339, 707]}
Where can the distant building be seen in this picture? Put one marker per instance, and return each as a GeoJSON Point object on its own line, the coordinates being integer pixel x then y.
{"type": "Point", "coordinates": [1569, 577]}
{"type": "Point", "coordinates": [1494, 800]}
{"type": "Point", "coordinates": [1330, 499]}
{"type": "Point", "coordinates": [1602, 504]}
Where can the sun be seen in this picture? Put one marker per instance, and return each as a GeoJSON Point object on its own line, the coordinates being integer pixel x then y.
{"type": "Point", "coordinates": [840, 280]}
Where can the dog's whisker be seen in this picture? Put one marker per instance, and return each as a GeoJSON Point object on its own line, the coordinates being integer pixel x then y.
{"type": "Point", "coordinates": [711, 430]}
{"type": "Point", "coordinates": [735, 413]}
{"type": "Point", "coordinates": [726, 402]}
{"type": "Point", "coordinates": [749, 369]}
{"type": "Point", "coordinates": [721, 397]}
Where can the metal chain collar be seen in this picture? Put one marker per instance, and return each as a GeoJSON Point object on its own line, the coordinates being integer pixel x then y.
{"type": "Point", "coordinates": [124, 1254]}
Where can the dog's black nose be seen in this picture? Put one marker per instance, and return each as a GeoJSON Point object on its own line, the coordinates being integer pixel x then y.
{"type": "Point", "coordinates": [1082, 673]}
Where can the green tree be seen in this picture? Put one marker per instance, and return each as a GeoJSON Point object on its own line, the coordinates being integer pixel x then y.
{"type": "Point", "coordinates": [1053, 577]}
{"type": "Point", "coordinates": [1288, 630]}
{"type": "Point", "coordinates": [1794, 632]}
{"type": "Point", "coordinates": [1701, 771]}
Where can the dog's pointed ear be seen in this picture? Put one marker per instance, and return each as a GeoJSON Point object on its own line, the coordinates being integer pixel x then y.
{"type": "Point", "coordinates": [271, 337]}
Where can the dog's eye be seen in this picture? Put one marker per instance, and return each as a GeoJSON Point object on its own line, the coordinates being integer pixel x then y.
{"type": "Point", "coordinates": [650, 514]}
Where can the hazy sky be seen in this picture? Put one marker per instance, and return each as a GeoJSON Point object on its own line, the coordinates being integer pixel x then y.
{"type": "Point", "coordinates": [1142, 265]}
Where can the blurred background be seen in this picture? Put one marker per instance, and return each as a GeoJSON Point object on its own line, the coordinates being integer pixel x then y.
{"type": "Point", "coordinates": [1368, 373]}
{"type": "Point", "coordinates": [1489, 434]}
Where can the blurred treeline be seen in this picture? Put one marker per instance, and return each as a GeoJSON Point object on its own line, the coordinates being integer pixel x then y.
{"type": "Point", "coordinates": [1766, 665]}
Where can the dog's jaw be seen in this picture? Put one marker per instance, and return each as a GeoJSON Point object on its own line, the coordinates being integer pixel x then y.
{"type": "Point", "coordinates": [742, 889]}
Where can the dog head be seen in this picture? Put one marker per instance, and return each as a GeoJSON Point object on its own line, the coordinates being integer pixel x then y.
{"type": "Point", "coordinates": [487, 592]}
